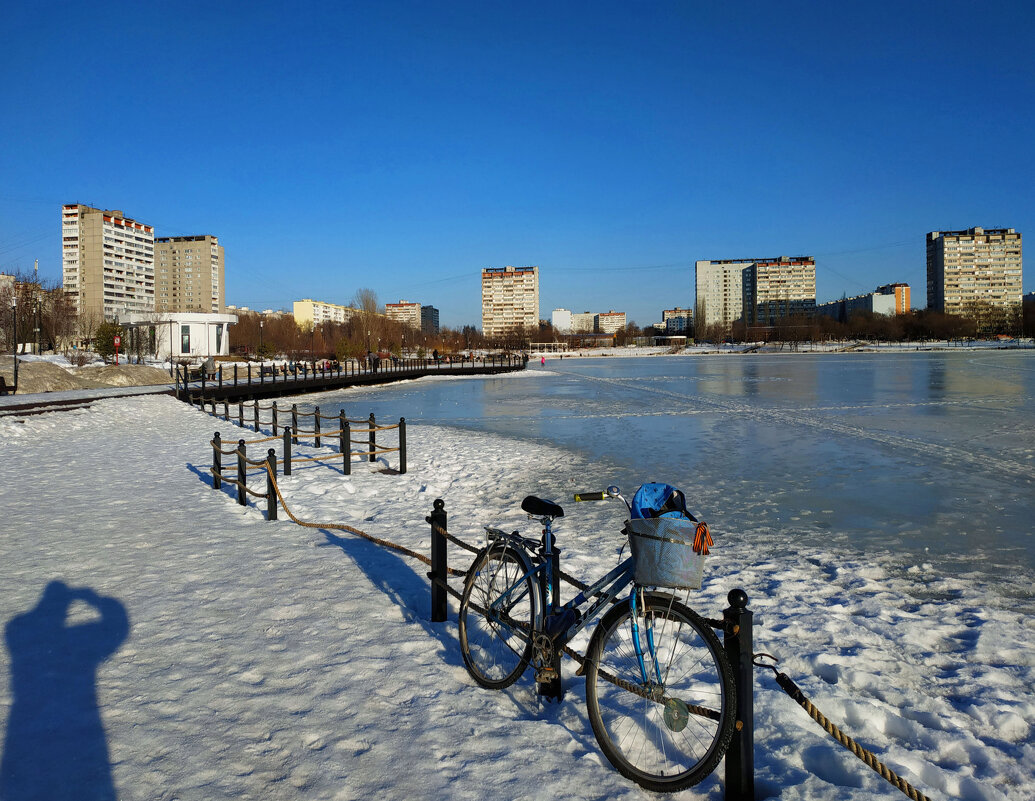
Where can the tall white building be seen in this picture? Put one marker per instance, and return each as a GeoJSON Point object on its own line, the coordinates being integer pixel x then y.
{"type": "Point", "coordinates": [107, 262]}
{"type": "Point", "coordinates": [609, 322]}
{"type": "Point", "coordinates": [309, 313]}
{"type": "Point", "coordinates": [560, 319]}
{"type": "Point", "coordinates": [510, 299]}
{"type": "Point", "coordinates": [720, 292]}
{"type": "Point", "coordinates": [778, 288]}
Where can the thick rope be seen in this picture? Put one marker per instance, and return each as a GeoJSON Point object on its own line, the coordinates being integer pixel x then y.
{"type": "Point", "coordinates": [343, 527]}
{"type": "Point", "coordinates": [867, 757]}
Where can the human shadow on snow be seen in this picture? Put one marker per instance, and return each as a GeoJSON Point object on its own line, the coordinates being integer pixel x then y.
{"type": "Point", "coordinates": [55, 746]}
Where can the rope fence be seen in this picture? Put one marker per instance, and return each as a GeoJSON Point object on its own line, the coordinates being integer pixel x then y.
{"type": "Point", "coordinates": [736, 623]}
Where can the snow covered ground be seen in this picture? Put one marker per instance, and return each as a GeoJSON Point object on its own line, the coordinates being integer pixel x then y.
{"type": "Point", "coordinates": [265, 660]}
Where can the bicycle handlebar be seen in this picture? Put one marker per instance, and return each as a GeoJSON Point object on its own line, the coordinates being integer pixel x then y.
{"type": "Point", "coordinates": [590, 496]}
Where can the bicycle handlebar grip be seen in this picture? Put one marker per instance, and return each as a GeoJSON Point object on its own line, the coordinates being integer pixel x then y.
{"type": "Point", "coordinates": [590, 496]}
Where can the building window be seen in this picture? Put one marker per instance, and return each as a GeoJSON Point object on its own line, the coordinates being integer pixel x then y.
{"type": "Point", "coordinates": [184, 339]}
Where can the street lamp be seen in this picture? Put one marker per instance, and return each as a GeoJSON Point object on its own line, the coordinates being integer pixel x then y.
{"type": "Point", "coordinates": [14, 316]}
{"type": "Point", "coordinates": [260, 340]}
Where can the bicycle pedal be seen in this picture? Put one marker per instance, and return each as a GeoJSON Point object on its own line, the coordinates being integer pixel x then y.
{"type": "Point", "coordinates": [546, 675]}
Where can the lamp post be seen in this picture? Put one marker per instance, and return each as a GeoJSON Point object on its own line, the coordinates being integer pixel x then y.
{"type": "Point", "coordinates": [14, 316]}
{"type": "Point", "coordinates": [260, 340]}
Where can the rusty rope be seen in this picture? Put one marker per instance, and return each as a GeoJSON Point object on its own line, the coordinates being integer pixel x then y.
{"type": "Point", "coordinates": [792, 689]}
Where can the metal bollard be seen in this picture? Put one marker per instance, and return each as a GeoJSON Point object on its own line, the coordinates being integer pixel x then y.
{"type": "Point", "coordinates": [271, 492]}
{"type": "Point", "coordinates": [240, 410]}
{"type": "Point", "coordinates": [373, 438]}
{"type": "Point", "coordinates": [402, 445]}
{"type": "Point", "coordinates": [226, 409]}
{"type": "Point", "coordinates": [274, 418]}
{"type": "Point", "coordinates": [217, 462]}
{"type": "Point", "coordinates": [439, 609]}
{"type": "Point", "coordinates": [737, 641]}
{"type": "Point", "coordinates": [345, 445]}
{"type": "Point", "coordinates": [316, 424]}
{"type": "Point", "coordinates": [255, 409]}
{"type": "Point", "coordinates": [287, 450]}
{"type": "Point", "coordinates": [294, 422]}
{"type": "Point", "coordinates": [242, 474]}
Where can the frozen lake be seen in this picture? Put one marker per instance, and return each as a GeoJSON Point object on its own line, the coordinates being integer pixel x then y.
{"type": "Point", "coordinates": [922, 458]}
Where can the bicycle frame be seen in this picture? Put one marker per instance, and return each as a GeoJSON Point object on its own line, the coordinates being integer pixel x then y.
{"type": "Point", "coordinates": [604, 591]}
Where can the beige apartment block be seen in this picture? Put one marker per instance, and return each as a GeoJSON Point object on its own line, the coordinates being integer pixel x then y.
{"type": "Point", "coordinates": [404, 312]}
{"type": "Point", "coordinates": [778, 288]}
{"type": "Point", "coordinates": [107, 262]}
{"type": "Point", "coordinates": [610, 322]}
{"type": "Point", "coordinates": [583, 322]}
{"type": "Point", "coordinates": [510, 299]}
{"type": "Point", "coordinates": [720, 291]}
{"type": "Point", "coordinates": [973, 269]}
{"type": "Point", "coordinates": [310, 313]}
{"type": "Point", "coordinates": [190, 274]}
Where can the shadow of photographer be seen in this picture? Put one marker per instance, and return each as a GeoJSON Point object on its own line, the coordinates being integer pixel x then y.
{"type": "Point", "coordinates": [55, 746]}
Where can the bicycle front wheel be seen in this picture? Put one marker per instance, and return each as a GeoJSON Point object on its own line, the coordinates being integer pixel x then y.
{"type": "Point", "coordinates": [667, 724]}
{"type": "Point", "coordinates": [496, 625]}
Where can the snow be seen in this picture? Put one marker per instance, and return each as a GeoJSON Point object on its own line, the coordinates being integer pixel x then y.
{"type": "Point", "coordinates": [268, 660]}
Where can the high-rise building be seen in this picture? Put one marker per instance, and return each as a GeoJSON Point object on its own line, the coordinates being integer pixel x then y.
{"type": "Point", "coordinates": [510, 299]}
{"type": "Point", "coordinates": [677, 321]}
{"type": "Point", "coordinates": [779, 288]}
{"type": "Point", "coordinates": [107, 262]}
{"type": "Point", "coordinates": [404, 312]}
{"type": "Point", "coordinates": [560, 319]}
{"type": "Point", "coordinates": [583, 322]}
{"type": "Point", "coordinates": [429, 320]}
{"type": "Point", "coordinates": [901, 293]}
{"type": "Point", "coordinates": [190, 274]}
{"type": "Point", "coordinates": [888, 300]}
{"type": "Point", "coordinates": [720, 292]}
{"type": "Point", "coordinates": [609, 322]}
{"type": "Point", "coordinates": [973, 271]}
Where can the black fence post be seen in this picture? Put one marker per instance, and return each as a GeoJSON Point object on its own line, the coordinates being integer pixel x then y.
{"type": "Point", "coordinates": [287, 450]}
{"type": "Point", "coordinates": [220, 376]}
{"type": "Point", "coordinates": [346, 445]}
{"type": "Point", "coordinates": [737, 640]}
{"type": "Point", "coordinates": [226, 410]}
{"type": "Point", "coordinates": [294, 422]}
{"type": "Point", "coordinates": [274, 418]}
{"type": "Point", "coordinates": [439, 609]}
{"type": "Point", "coordinates": [242, 474]}
{"type": "Point", "coordinates": [217, 462]}
{"type": "Point", "coordinates": [402, 445]}
{"type": "Point", "coordinates": [271, 491]}
{"type": "Point", "coordinates": [255, 408]}
{"type": "Point", "coordinates": [235, 374]}
{"type": "Point", "coordinates": [240, 410]}
{"type": "Point", "coordinates": [213, 404]}
{"type": "Point", "coordinates": [203, 371]}
{"type": "Point", "coordinates": [373, 438]}
{"type": "Point", "coordinates": [316, 424]}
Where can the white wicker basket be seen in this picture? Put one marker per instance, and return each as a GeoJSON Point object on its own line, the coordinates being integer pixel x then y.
{"type": "Point", "coordinates": [664, 553]}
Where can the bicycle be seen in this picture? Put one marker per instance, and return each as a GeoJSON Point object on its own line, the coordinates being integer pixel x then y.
{"type": "Point", "coordinates": [659, 688]}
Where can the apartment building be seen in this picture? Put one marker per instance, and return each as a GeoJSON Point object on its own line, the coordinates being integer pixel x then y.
{"type": "Point", "coordinates": [510, 299]}
{"type": "Point", "coordinates": [583, 323]}
{"type": "Point", "coordinates": [720, 291]}
{"type": "Point", "coordinates": [901, 294]}
{"type": "Point", "coordinates": [190, 274]}
{"type": "Point", "coordinates": [429, 320]}
{"type": "Point", "coordinates": [609, 322]}
{"type": "Point", "coordinates": [310, 313]}
{"type": "Point", "coordinates": [778, 288]}
{"type": "Point", "coordinates": [888, 300]}
{"type": "Point", "coordinates": [973, 269]}
{"type": "Point", "coordinates": [107, 262]}
{"type": "Point", "coordinates": [404, 312]}
{"type": "Point", "coordinates": [677, 321]}
{"type": "Point", "coordinates": [560, 319]}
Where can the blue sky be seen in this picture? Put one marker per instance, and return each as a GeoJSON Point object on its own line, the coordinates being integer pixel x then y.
{"type": "Point", "coordinates": [402, 147]}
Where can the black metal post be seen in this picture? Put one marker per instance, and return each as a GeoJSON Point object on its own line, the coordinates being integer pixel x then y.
{"type": "Point", "coordinates": [287, 450]}
{"type": "Point", "coordinates": [271, 492]}
{"type": "Point", "coordinates": [274, 418]}
{"type": "Point", "coordinates": [294, 422]}
{"type": "Point", "coordinates": [226, 409]}
{"type": "Point", "coordinates": [316, 424]}
{"type": "Point", "coordinates": [345, 443]}
{"type": "Point", "coordinates": [439, 609]}
{"type": "Point", "coordinates": [255, 407]}
{"type": "Point", "coordinates": [217, 462]}
{"type": "Point", "coordinates": [242, 474]}
{"type": "Point", "coordinates": [235, 375]}
{"type": "Point", "coordinates": [402, 445]}
{"type": "Point", "coordinates": [240, 409]}
{"type": "Point", "coordinates": [373, 438]}
{"type": "Point", "coordinates": [737, 640]}
{"type": "Point", "coordinates": [220, 376]}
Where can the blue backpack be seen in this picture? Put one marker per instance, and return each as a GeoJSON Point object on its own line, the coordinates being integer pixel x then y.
{"type": "Point", "coordinates": [660, 500]}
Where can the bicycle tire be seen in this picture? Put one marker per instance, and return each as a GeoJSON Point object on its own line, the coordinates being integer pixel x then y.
{"type": "Point", "coordinates": [495, 655]}
{"type": "Point", "coordinates": [677, 739]}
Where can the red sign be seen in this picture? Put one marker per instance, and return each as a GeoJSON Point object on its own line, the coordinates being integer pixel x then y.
{"type": "Point", "coordinates": [118, 341]}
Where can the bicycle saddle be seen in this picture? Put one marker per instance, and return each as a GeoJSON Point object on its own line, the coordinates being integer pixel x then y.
{"type": "Point", "coordinates": [539, 507]}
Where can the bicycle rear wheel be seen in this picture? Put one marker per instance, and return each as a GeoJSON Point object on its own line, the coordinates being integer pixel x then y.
{"type": "Point", "coordinates": [497, 645]}
{"type": "Point", "coordinates": [669, 734]}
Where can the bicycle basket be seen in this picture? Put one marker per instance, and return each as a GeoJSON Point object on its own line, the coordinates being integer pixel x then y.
{"type": "Point", "coordinates": [663, 550]}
